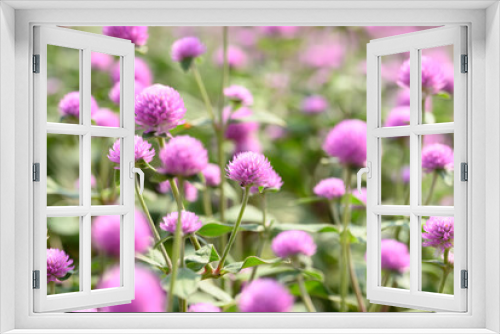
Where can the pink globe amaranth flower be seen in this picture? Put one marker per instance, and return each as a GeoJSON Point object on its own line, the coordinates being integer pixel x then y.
{"type": "Point", "coordinates": [239, 94]}
{"type": "Point", "coordinates": [291, 243]}
{"type": "Point", "coordinates": [204, 307]}
{"type": "Point", "coordinates": [236, 57]}
{"type": "Point", "coordinates": [433, 79]}
{"type": "Point", "coordinates": [58, 264]}
{"type": "Point", "coordinates": [69, 106]}
{"type": "Point", "coordinates": [394, 255]}
{"type": "Point", "coordinates": [249, 169]}
{"type": "Point", "coordinates": [149, 295]}
{"type": "Point", "coordinates": [190, 191]}
{"type": "Point", "coordinates": [159, 108]}
{"type": "Point", "coordinates": [136, 34]}
{"type": "Point", "coordinates": [398, 116]}
{"type": "Point", "coordinates": [190, 222]}
{"type": "Point", "coordinates": [330, 188]}
{"type": "Point", "coordinates": [187, 48]}
{"type": "Point", "coordinates": [437, 139]}
{"type": "Point", "coordinates": [106, 117]}
{"type": "Point", "coordinates": [248, 144]}
{"type": "Point", "coordinates": [211, 173]}
{"type": "Point", "coordinates": [275, 132]}
{"type": "Point", "coordinates": [403, 98]}
{"type": "Point", "coordinates": [314, 104]}
{"type": "Point", "coordinates": [101, 61]}
{"type": "Point", "coordinates": [274, 181]}
{"type": "Point", "coordinates": [439, 233]}
{"type": "Point", "coordinates": [106, 234]}
{"type": "Point", "coordinates": [265, 295]}
{"type": "Point", "coordinates": [114, 93]}
{"type": "Point", "coordinates": [237, 129]}
{"type": "Point", "coordinates": [347, 142]}
{"type": "Point", "coordinates": [405, 174]}
{"type": "Point", "coordinates": [437, 156]}
{"type": "Point", "coordinates": [279, 31]}
{"type": "Point", "coordinates": [142, 150]}
{"type": "Point", "coordinates": [183, 156]}
{"type": "Point", "coordinates": [142, 73]}
{"type": "Point", "coordinates": [325, 55]}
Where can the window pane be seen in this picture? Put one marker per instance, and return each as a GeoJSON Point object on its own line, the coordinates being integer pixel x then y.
{"type": "Point", "coordinates": [395, 170]}
{"type": "Point", "coordinates": [63, 254]}
{"type": "Point", "coordinates": [106, 170]}
{"type": "Point", "coordinates": [437, 254]}
{"type": "Point", "coordinates": [395, 251]}
{"type": "Point", "coordinates": [63, 170]}
{"type": "Point", "coordinates": [105, 249]}
{"type": "Point", "coordinates": [63, 83]}
{"type": "Point", "coordinates": [437, 169]}
{"type": "Point", "coordinates": [105, 89]}
{"type": "Point", "coordinates": [395, 89]}
{"type": "Point", "coordinates": [437, 84]}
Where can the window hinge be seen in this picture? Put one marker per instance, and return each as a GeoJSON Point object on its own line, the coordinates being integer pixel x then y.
{"type": "Point", "coordinates": [465, 279]}
{"type": "Point", "coordinates": [36, 172]}
{"type": "Point", "coordinates": [465, 64]}
{"type": "Point", "coordinates": [36, 63]}
{"type": "Point", "coordinates": [36, 279]}
{"type": "Point", "coordinates": [464, 171]}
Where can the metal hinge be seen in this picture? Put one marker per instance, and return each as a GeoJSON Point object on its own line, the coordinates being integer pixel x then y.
{"type": "Point", "coordinates": [465, 279]}
{"type": "Point", "coordinates": [36, 172]}
{"type": "Point", "coordinates": [36, 63]}
{"type": "Point", "coordinates": [465, 64]}
{"type": "Point", "coordinates": [36, 279]}
{"type": "Point", "coordinates": [464, 171]}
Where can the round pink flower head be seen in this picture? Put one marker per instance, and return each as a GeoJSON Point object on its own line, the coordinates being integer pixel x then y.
{"type": "Point", "coordinates": [106, 234]}
{"type": "Point", "coordinates": [100, 61]}
{"type": "Point", "coordinates": [190, 191]}
{"type": "Point", "coordinates": [265, 295]}
{"type": "Point", "coordinates": [347, 142]}
{"type": "Point", "coordinates": [330, 188]}
{"type": "Point", "coordinates": [437, 156]}
{"type": "Point", "coordinates": [398, 116]}
{"type": "Point", "coordinates": [159, 108]}
{"type": "Point", "coordinates": [405, 174]}
{"type": "Point", "coordinates": [314, 104]}
{"type": "Point", "coordinates": [236, 58]}
{"type": "Point", "coordinates": [204, 307]}
{"type": "Point", "coordinates": [324, 56]}
{"type": "Point", "coordinates": [137, 34]}
{"type": "Point", "coordinates": [433, 79]}
{"type": "Point", "coordinates": [114, 93]}
{"type": "Point", "coordinates": [239, 94]}
{"type": "Point", "coordinates": [291, 243]}
{"type": "Point", "coordinates": [249, 169]}
{"type": "Point", "coordinates": [186, 49]}
{"type": "Point", "coordinates": [274, 181]}
{"type": "Point", "coordinates": [279, 31]}
{"type": "Point", "coordinates": [69, 106]}
{"type": "Point", "coordinates": [190, 222]}
{"type": "Point", "coordinates": [149, 295]}
{"type": "Point", "coordinates": [183, 156]}
{"type": "Point", "coordinates": [248, 144]}
{"type": "Point", "coordinates": [394, 255]}
{"type": "Point", "coordinates": [142, 150]}
{"type": "Point", "coordinates": [241, 131]}
{"type": "Point", "coordinates": [403, 98]}
{"type": "Point", "coordinates": [58, 264]}
{"type": "Point", "coordinates": [211, 173]}
{"type": "Point", "coordinates": [142, 72]}
{"type": "Point", "coordinates": [106, 117]}
{"type": "Point", "coordinates": [439, 233]}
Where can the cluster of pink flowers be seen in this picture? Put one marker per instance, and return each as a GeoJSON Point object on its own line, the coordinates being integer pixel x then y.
{"type": "Point", "coordinates": [190, 222]}
{"type": "Point", "coordinates": [143, 150]}
{"type": "Point", "coordinates": [183, 156]}
{"type": "Point", "coordinates": [330, 188]}
{"type": "Point", "coordinates": [250, 169]}
{"type": "Point", "coordinates": [439, 233]}
{"type": "Point", "coordinates": [436, 157]}
{"type": "Point", "coordinates": [187, 48]}
{"type": "Point", "coordinates": [314, 104]}
{"type": "Point", "coordinates": [136, 34]}
{"type": "Point", "coordinates": [292, 243]}
{"type": "Point", "coordinates": [347, 142]}
{"type": "Point", "coordinates": [236, 57]}
{"type": "Point", "coordinates": [394, 255]}
{"type": "Point", "coordinates": [58, 264]}
{"type": "Point", "coordinates": [265, 295]}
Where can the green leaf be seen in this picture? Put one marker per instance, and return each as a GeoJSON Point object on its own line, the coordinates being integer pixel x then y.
{"type": "Point", "coordinates": [311, 228]}
{"type": "Point", "coordinates": [249, 262]}
{"type": "Point", "coordinates": [261, 189]}
{"type": "Point", "coordinates": [314, 288]}
{"type": "Point", "coordinates": [158, 178]}
{"type": "Point", "coordinates": [306, 200]}
{"type": "Point", "coordinates": [438, 263]}
{"type": "Point", "coordinates": [444, 95]}
{"type": "Point", "coordinates": [162, 241]}
{"type": "Point", "coordinates": [186, 283]}
{"type": "Point", "coordinates": [265, 118]}
{"type": "Point", "coordinates": [186, 63]}
{"type": "Point", "coordinates": [315, 274]}
{"type": "Point", "coordinates": [201, 257]}
{"type": "Point", "coordinates": [65, 277]}
{"type": "Point", "coordinates": [215, 291]}
{"type": "Point", "coordinates": [117, 177]}
{"type": "Point", "coordinates": [154, 258]}
{"type": "Point", "coordinates": [251, 215]}
{"type": "Point", "coordinates": [353, 199]}
{"type": "Point", "coordinates": [214, 230]}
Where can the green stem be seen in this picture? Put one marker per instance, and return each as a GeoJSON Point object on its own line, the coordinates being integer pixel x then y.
{"type": "Point", "coordinates": [203, 91]}
{"type": "Point", "coordinates": [235, 229]}
{"type": "Point", "coordinates": [52, 288]}
{"type": "Point", "coordinates": [335, 212]}
{"type": "Point", "coordinates": [177, 244]}
{"type": "Point", "coordinates": [355, 283]}
{"type": "Point", "coordinates": [262, 236]}
{"type": "Point", "coordinates": [207, 205]}
{"type": "Point", "coordinates": [152, 226]}
{"type": "Point", "coordinates": [345, 243]}
{"type": "Point", "coordinates": [149, 166]}
{"type": "Point", "coordinates": [162, 142]}
{"type": "Point", "coordinates": [431, 190]}
{"type": "Point", "coordinates": [446, 271]}
{"type": "Point", "coordinates": [304, 294]}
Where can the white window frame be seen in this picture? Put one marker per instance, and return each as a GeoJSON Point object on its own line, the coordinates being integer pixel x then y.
{"type": "Point", "coordinates": [413, 43]}
{"type": "Point", "coordinates": [84, 43]}
{"type": "Point", "coordinates": [484, 103]}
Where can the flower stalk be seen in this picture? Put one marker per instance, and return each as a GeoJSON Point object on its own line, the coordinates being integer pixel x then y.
{"type": "Point", "coordinates": [446, 271]}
